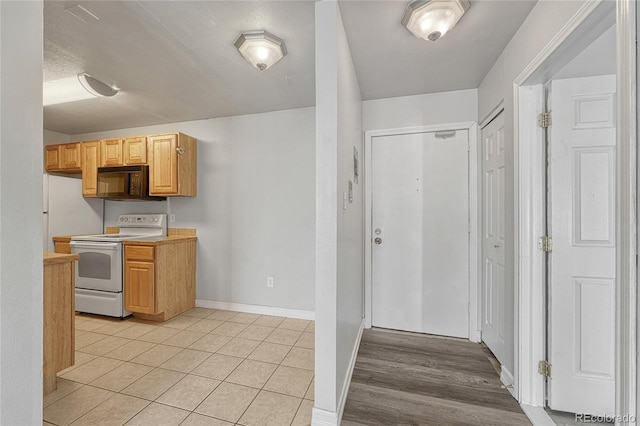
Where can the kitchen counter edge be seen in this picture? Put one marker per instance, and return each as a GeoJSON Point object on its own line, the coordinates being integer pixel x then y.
{"type": "Point", "coordinates": [53, 258]}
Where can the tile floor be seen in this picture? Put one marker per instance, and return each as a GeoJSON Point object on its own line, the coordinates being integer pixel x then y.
{"type": "Point", "coordinates": [204, 367]}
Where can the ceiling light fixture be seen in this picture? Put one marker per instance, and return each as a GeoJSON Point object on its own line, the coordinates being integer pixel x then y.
{"type": "Point", "coordinates": [260, 48]}
{"type": "Point", "coordinates": [76, 88]}
{"type": "Point", "coordinates": [431, 19]}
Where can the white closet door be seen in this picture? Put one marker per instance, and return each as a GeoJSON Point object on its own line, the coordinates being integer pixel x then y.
{"type": "Point", "coordinates": [493, 294]}
{"type": "Point", "coordinates": [582, 263]}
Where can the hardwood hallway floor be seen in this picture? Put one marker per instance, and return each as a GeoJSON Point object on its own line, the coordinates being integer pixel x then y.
{"type": "Point", "coordinates": [411, 379]}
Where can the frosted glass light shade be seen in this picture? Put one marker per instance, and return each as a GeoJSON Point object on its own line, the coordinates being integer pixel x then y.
{"type": "Point", "coordinates": [260, 48]}
{"type": "Point", "coordinates": [431, 19]}
{"type": "Point", "coordinates": [76, 88]}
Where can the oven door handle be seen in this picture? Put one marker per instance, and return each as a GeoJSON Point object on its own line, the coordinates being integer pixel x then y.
{"type": "Point", "coordinates": [94, 244]}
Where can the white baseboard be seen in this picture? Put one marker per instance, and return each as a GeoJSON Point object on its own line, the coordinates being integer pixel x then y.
{"type": "Point", "coordinates": [475, 336]}
{"type": "Point", "coordinates": [323, 418]}
{"type": "Point", "coordinates": [256, 309]}
{"type": "Point", "coordinates": [347, 380]}
{"type": "Point", "coordinates": [537, 415]}
{"type": "Point", "coordinates": [507, 380]}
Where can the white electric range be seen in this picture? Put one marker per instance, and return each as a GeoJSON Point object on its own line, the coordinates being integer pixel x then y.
{"type": "Point", "coordinates": [99, 273]}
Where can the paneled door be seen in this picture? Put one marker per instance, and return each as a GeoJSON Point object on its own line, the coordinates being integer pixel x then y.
{"type": "Point", "coordinates": [420, 241]}
{"type": "Point", "coordinates": [582, 261]}
{"type": "Point", "coordinates": [493, 293]}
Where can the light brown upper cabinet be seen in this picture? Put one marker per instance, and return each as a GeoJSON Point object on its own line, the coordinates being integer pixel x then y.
{"type": "Point", "coordinates": [111, 152]}
{"type": "Point", "coordinates": [52, 157]}
{"type": "Point", "coordinates": [123, 151]}
{"type": "Point", "coordinates": [135, 150]}
{"type": "Point", "coordinates": [90, 160]}
{"type": "Point", "coordinates": [64, 158]}
{"type": "Point", "coordinates": [172, 165]}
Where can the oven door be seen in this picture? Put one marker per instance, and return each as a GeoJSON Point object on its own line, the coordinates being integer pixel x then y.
{"type": "Point", "coordinates": [100, 265]}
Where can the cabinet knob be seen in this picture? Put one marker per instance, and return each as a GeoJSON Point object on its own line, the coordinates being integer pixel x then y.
{"type": "Point", "coordinates": [180, 150]}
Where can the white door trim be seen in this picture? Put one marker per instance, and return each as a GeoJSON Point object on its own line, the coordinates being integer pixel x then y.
{"type": "Point", "coordinates": [474, 240]}
{"type": "Point", "coordinates": [529, 211]}
{"type": "Point", "coordinates": [493, 114]}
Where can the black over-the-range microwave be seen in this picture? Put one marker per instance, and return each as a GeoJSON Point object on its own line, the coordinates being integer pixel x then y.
{"type": "Point", "coordinates": [124, 183]}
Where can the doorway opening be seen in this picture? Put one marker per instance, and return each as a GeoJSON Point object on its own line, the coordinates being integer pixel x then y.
{"type": "Point", "coordinates": [575, 225]}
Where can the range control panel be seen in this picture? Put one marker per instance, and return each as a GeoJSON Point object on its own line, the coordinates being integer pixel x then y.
{"type": "Point", "coordinates": [142, 220]}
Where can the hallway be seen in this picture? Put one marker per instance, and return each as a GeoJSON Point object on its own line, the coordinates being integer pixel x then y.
{"type": "Point", "coordinates": [411, 379]}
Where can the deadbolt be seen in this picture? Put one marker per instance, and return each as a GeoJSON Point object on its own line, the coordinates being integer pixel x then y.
{"type": "Point", "coordinates": [378, 240]}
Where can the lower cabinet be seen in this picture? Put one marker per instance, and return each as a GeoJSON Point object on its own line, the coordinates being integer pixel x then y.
{"type": "Point", "coordinates": [159, 280]}
{"type": "Point", "coordinates": [139, 280]}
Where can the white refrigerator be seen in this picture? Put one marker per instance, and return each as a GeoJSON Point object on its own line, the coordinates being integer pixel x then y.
{"type": "Point", "coordinates": [66, 212]}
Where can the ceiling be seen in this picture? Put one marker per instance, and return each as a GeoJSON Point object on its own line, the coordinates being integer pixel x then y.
{"type": "Point", "coordinates": [175, 60]}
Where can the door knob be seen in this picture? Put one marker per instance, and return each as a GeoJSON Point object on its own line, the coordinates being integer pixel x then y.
{"type": "Point", "coordinates": [496, 246]}
{"type": "Point", "coordinates": [378, 240]}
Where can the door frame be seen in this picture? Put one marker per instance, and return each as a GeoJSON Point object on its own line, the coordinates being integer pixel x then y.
{"type": "Point", "coordinates": [474, 215]}
{"type": "Point", "coordinates": [530, 206]}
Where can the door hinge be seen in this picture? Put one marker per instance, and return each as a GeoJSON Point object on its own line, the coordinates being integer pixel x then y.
{"type": "Point", "coordinates": [544, 120]}
{"type": "Point", "coordinates": [545, 244]}
{"type": "Point", "coordinates": [544, 368]}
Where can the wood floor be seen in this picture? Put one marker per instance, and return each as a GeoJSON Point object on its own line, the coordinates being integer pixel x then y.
{"type": "Point", "coordinates": [411, 379]}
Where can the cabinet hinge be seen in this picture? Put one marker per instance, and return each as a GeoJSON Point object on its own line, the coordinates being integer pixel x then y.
{"type": "Point", "coordinates": [545, 244]}
{"type": "Point", "coordinates": [544, 368]}
{"type": "Point", "coordinates": [544, 120]}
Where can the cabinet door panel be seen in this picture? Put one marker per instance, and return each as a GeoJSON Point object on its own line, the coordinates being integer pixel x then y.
{"type": "Point", "coordinates": [135, 150]}
{"type": "Point", "coordinates": [70, 156]}
{"type": "Point", "coordinates": [111, 152]}
{"type": "Point", "coordinates": [163, 167]}
{"type": "Point", "coordinates": [90, 160]}
{"type": "Point", "coordinates": [52, 157]}
{"type": "Point", "coordinates": [139, 287]}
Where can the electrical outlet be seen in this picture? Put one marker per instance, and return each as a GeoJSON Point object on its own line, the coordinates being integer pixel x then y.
{"type": "Point", "coordinates": [270, 282]}
{"type": "Point", "coordinates": [172, 217]}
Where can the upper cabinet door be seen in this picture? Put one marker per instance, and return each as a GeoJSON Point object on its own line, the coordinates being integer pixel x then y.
{"type": "Point", "coordinates": [173, 163]}
{"type": "Point", "coordinates": [111, 152]}
{"type": "Point", "coordinates": [135, 150]}
{"type": "Point", "coordinates": [52, 157]}
{"type": "Point", "coordinates": [70, 158]}
{"type": "Point", "coordinates": [90, 160]}
{"type": "Point", "coordinates": [163, 164]}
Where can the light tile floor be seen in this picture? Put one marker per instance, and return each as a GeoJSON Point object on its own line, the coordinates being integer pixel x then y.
{"type": "Point", "coordinates": [204, 367]}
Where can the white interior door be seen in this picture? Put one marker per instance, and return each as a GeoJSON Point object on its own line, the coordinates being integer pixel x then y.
{"type": "Point", "coordinates": [582, 262]}
{"type": "Point", "coordinates": [420, 214]}
{"type": "Point", "coordinates": [493, 295]}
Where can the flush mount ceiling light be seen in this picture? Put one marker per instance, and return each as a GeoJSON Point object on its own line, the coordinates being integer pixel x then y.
{"type": "Point", "coordinates": [76, 88]}
{"type": "Point", "coordinates": [431, 19]}
{"type": "Point", "coordinates": [260, 48]}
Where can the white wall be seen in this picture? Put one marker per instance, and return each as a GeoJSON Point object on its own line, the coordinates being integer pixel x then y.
{"type": "Point", "coordinates": [497, 87]}
{"type": "Point", "coordinates": [420, 110]}
{"type": "Point", "coordinates": [350, 272]}
{"type": "Point", "coordinates": [20, 213]}
{"type": "Point", "coordinates": [49, 137]}
{"type": "Point", "coordinates": [255, 208]}
{"type": "Point", "coordinates": [599, 58]}
{"type": "Point", "coordinates": [491, 90]}
{"type": "Point", "coordinates": [339, 231]}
